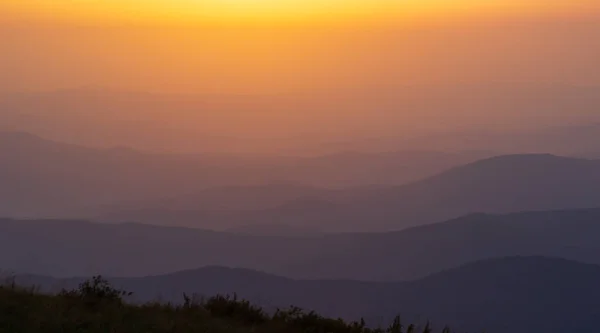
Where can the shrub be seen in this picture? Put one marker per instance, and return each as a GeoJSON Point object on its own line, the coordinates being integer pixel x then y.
{"type": "Point", "coordinates": [241, 310]}
{"type": "Point", "coordinates": [97, 290]}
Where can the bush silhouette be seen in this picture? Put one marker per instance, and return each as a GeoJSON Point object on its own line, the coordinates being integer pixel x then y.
{"type": "Point", "coordinates": [97, 289]}
{"type": "Point", "coordinates": [231, 307]}
{"type": "Point", "coordinates": [97, 307]}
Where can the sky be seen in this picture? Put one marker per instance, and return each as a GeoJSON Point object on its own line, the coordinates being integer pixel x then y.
{"type": "Point", "coordinates": [282, 12]}
{"type": "Point", "coordinates": [144, 73]}
{"type": "Point", "coordinates": [291, 46]}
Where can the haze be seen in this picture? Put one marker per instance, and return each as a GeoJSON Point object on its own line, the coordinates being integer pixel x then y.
{"type": "Point", "coordinates": [437, 159]}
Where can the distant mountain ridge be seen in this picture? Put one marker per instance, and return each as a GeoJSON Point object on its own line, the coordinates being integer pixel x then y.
{"type": "Point", "coordinates": [97, 111]}
{"type": "Point", "coordinates": [503, 184]}
{"type": "Point", "coordinates": [524, 294]}
{"type": "Point", "coordinates": [136, 185]}
{"type": "Point", "coordinates": [34, 169]}
{"type": "Point", "coordinates": [76, 248]}
{"type": "Point", "coordinates": [46, 179]}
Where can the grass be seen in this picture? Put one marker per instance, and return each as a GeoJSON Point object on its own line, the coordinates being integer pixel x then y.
{"type": "Point", "coordinates": [95, 307]}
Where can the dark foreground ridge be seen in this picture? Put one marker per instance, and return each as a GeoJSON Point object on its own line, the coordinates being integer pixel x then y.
{"type": "Point", "coordinates": [511, 294]}
{"type": "Point", "coordinates": [96, 307]}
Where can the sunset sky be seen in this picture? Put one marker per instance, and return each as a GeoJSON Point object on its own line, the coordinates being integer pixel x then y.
{"type": "Point", "coordinates": [303, 12]}
{"type": "Point", "coordinates": [273, 46]}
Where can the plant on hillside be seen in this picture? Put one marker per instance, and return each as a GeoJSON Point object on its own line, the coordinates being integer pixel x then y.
{"type": "Point", "coordinates": [231, 307]}
{"type": "Point", "coordinates": [96, 290]}
{"type": "Point", "coordinates": [97, 307]}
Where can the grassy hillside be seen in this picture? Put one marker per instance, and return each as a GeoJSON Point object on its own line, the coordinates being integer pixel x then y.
{"type": "Point", "coordinates": [97, 307]}
{"type": "Point", "coordinates": [525, 294]}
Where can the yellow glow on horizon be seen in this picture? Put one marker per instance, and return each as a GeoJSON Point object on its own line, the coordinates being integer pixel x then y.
{"type": "Point", "coordinates": [217, 12]}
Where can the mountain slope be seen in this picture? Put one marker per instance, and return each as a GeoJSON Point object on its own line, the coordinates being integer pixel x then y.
{"type": "Point", "coordinates": [522, 294]}
{"type": "Point", "coordinates": [71, 248]}
{"type": "Point", "coordinates": [43, 178]}
{"type": "Point", "coordinates": [503, 184]}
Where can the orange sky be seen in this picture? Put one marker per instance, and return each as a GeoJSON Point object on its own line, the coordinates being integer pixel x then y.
{"type": "Point", "coordinates": [225, 12]}
{"type": "Point", "coordinates": [342, 66]}
{"type": "Point", "coordinates": [272, 46]}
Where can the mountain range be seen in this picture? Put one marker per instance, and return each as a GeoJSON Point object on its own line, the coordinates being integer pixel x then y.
{"type": "Point", "coordinates": [527, 117]}
{"type": "Point", "coordinates": [47, 179]}
{"type": "Point", "coordinates": [42, 178]}
{"type": "Point", "coordinates": [520, 294]}
{"type": "Point", "coordinates": [504, 184]}
{"type": "Point", "coordinates": [66, 248]}
{"type": "Point", "coordinates": [476, 242]}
